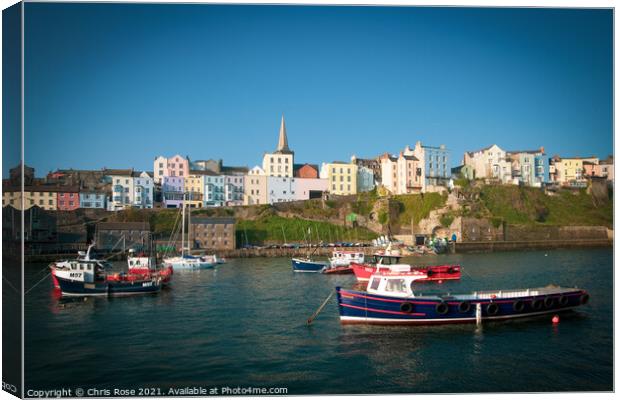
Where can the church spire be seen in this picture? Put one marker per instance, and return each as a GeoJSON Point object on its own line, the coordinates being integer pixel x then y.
{"type": "Point", "coordinates": [283, 140]}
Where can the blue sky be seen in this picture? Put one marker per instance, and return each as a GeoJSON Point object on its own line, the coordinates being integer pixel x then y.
{"type": "Point", "coordinates": [114, 85]}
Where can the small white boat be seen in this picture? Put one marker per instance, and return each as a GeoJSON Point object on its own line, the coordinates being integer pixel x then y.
{"type": "Point", "coordinates": [186, 261]}
{"type": "Point", "coordinates": [342, 258]}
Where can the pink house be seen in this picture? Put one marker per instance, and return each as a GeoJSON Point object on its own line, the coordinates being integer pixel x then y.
{"type": "Point", "coordinates": [308, 188]}
{"type": "Point", "coordinates": [68, 199]}
{"type": "Point", "coordinates": [172, 166]}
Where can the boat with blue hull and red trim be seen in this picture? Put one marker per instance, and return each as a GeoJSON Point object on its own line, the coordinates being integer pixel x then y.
{"type": "Point", "coordinates": [392, 300]}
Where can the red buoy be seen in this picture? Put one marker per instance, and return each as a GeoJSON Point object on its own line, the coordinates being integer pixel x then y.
{"type": "Point", "coordinates": [555, 319]}
{"type": "Point", "coordinates": [440, 281]}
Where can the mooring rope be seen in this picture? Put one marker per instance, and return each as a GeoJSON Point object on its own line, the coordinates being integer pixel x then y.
{"type": "Point", "coordinates": [35, 285]}
{"type": "Point", "coordinates": [10, 284]}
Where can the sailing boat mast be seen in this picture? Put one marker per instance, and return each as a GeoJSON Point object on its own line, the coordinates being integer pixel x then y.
{"type": "Point", "coordinates": [189, 226]}
{"type": "Point", "coordinates": [183, 227]}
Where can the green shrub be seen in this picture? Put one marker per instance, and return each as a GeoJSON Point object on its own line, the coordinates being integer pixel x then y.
{"type": "Point", "coordinates": [446, 220]}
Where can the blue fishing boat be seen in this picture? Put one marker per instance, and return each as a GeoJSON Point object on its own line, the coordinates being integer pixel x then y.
{"type": "Point", "coordinates": [390, 299]}
{"type": "Point", "coordinates": [307, 265]}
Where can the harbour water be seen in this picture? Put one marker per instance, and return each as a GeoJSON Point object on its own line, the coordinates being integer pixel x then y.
{"type": "Point", "coordinates": [244, 324]}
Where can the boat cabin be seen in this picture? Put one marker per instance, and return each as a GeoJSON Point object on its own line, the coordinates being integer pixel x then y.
{"type": "Point", "coordinates": [87, 271]}
{"type": "Point", "coordinates": [385, 259]}
{"type": "Point", "coordinates": [398, 285]}
{"type": "Point", "coordinates": [347, 257]}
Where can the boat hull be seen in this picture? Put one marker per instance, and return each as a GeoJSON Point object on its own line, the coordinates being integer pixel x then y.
{"type": "Point", "coordinates": [128, 288]}
{"type": "Point", "coordinates": [338, 270]}
{"type": "Point", "coordinates": [300, 265]}
{"type": "Point", "coordinates": [75, 288]}
{"type": "Point", "coordinates": [356, 307]}
{"type": "Point", "coordinates": [188, 264]}
{"type": "Point", "coordinates": [434, 273]}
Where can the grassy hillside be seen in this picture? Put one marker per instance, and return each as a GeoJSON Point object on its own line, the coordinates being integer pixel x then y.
{"type": "Point", "coordinates": [500, 203]}
{"type": "Point", "coordinates": [524, 205]}
{"type": "Point", "coordinates": [273, 228]}
{"type": "Point", "coordinates": [418, 206]}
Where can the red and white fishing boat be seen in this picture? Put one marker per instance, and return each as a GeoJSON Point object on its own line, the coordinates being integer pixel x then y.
{"type": "Point", "coordinates": [143, 265]}
{"type": "Point", "coordinates": [388, 262]}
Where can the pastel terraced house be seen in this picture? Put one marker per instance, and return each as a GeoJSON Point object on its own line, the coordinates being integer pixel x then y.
{"type": "Point", "coordinates": [173, 166]}
{"type": "Point", "coordinates": [528, 167]}
{"type": "Point", "coordinates": [402, 174]}
{"type": "Point", "coordinates": [489, 163]}
{"type": "Point", "coordinates": [569, 171]}
{"type": "Point", "coordinates": [172, 189]}
{"type": "Point", "coordinates": [309, 188]}
{"type": "Point", "coordinates": [280, 189]}
{"type": "Point", "coordinates": [194, 187]}
{"type": "Point", "coordinates": [233, 190]}
{"type": "Point", "coordinates": [129, 189]}
{"type": "Point", "coordinates": [435, 166]}
{"type": "Point", "coordinates": [68, 198]}
{"type": "Point", "coordinates": [214, 192]}
{"type": "Point", "coordinates": [93, 199]}
{"type": "Point", "coordinates": [341, 177]}
{"type": "Point", "coordinates": [41, 196]}
{"type": "Point", "coordinates": [604, 169]}
{"type": "Point", "coordinates": [255, 187]}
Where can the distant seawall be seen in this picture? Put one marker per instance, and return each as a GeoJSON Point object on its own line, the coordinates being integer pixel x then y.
{"type": "Point", "coordinates": [490, 246]}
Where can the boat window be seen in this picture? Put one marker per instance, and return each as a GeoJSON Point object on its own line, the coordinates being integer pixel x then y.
{"type": "Point", "coordinates": [396, 285]}
{"type": "Point", "coordinates": [375, 283]}
{"type": "Point", "coordinates": [81, 267]}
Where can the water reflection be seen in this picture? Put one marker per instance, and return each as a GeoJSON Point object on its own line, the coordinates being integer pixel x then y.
{"type": "Point", "coordinates": [244, 323]}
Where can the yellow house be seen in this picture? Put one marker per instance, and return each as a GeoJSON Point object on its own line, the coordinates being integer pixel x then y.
{"type": "Point", "coordinates": [341, 177]}
{"type": "Point", "coordinates": [44, 197]}
{"type": "Point", "coordinates": [571, 169]}
{"type": "Point", "coordinates": [194, 185]}
{"type": "Point", "coordinates": [255, 187]}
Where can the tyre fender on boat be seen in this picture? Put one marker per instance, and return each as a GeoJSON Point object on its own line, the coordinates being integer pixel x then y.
{"type": "Point", "coordinates": [451, 270]}
{"type": "Point", "coordinates": [464, 307]}
{"type": "Point", "coordinates": [584, 298]}
{"type": "Point", "coordinates": [518, 305]}
{"type": "Point", "coordinates": [549, 301]}
{"type": "Point", "coordinates": [406, 307]}
{"type": "Point", "coordinates": [563, 301]}
{"type": "Point", "coordinates": [442, 308]}
{"type": "Point", "coordinates": [492, 308]}
{"type": "Point", "coordinates": [537, 304]}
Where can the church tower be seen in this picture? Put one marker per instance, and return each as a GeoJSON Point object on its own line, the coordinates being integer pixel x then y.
{"type": "Point", "coordinates": [280, 162]}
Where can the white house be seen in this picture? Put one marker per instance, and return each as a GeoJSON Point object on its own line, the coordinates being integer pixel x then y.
{"type": "Point", "coordinates": [489, 163]}
{"type": "Point", "coordinates": [280, 189]}
{"type": "Point", "coordinates": [130, 189]}
{"type": "Point", "coordinates": [142, 190]}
